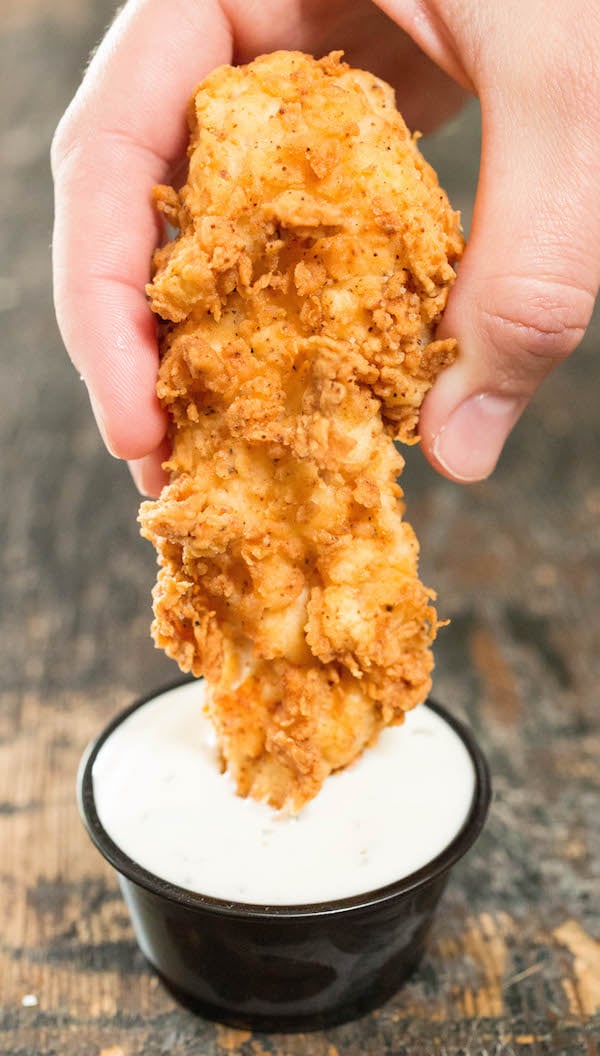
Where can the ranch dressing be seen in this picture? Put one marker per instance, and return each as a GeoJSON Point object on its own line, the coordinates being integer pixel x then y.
{"type": "Point", "coordinates": [161, 798]}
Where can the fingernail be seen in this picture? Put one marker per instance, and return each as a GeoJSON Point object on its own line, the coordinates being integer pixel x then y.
{"type": "Point", "coordinates": [148, 475]}
{"type": "Point", "coordinates": [99, 416]}
{"type": "Point", "coordinates": [469, 444]}
{"type": "Point", "coordinates": [136, 468]}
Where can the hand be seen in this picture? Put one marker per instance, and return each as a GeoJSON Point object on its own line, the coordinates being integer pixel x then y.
{"type": "Point", "coordinates": [530, 274]}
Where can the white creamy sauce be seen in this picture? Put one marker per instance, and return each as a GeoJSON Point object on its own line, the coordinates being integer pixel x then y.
{"type": "Point", "coordinates": [160, 796]}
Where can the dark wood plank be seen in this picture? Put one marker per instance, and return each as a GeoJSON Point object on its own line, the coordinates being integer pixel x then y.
{"type": "Point", "coordinates": [514, 961]}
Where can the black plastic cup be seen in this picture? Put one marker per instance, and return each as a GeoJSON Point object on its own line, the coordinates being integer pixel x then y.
{"type": "Point", "coordinates": [284, 968]}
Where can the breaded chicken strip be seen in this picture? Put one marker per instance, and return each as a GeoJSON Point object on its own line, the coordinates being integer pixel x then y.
{"type": "Point", "coordinates": [313, 262]}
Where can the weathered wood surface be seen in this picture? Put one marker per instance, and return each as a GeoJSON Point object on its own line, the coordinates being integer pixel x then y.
{"type": "Point", "coordinates": [514, 960]}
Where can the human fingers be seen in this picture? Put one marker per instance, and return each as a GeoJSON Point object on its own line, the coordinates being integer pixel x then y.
{"type": "Point", "coordinates": [530, 275]}
{"type": "Point", "coordinates": [527, 284]}
{"type": "Point", "coordinates": [123, 132]}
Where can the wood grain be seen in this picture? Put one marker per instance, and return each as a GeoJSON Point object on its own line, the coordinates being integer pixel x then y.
{"type": "Point", "coordinates": [514, 959]}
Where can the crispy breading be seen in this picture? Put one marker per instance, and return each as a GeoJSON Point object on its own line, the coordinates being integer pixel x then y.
{"type": "Point", "coordinates": [313, 261]}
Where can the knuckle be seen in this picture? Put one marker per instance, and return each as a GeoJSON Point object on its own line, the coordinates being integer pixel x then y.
{"type": "Point", "coordinates": [565, 76]}
{"type": "Point", "coordinates": [546, 324]}
{"type": "Point", "coordinates": [573, 72]}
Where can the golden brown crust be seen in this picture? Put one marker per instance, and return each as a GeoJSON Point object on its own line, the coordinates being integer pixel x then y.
{"type": "Point", "coordinates": [313, 263]}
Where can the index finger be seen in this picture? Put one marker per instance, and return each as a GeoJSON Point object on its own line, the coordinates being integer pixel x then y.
{"type": "Point", "coordinates": [117, 139]}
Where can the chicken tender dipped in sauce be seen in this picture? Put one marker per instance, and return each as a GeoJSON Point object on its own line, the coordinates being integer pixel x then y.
{"type": "Point", "coordinates": [301, 295]}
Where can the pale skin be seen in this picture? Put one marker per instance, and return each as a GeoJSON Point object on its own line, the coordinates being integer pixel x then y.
{"type": "Point", "coordinates": [530, 274]}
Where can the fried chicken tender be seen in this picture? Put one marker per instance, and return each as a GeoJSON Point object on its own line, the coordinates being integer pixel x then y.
{"type": "Point", "coordinates": [313, 261]}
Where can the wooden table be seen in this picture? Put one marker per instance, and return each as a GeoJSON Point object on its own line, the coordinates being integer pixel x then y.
{"type": "Point", "coordinates": [514, 959]}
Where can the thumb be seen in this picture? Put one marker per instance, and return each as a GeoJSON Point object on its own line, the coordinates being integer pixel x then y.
{"type": "Point", "coordinates": [527, 283]}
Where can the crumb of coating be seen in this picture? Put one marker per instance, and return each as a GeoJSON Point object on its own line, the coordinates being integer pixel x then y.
{"type": "Point", "coordinates": [313, 261]}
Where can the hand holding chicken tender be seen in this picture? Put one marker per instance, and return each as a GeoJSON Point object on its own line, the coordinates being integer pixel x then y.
{"type": "Point", "coordinates": [313, 262]}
